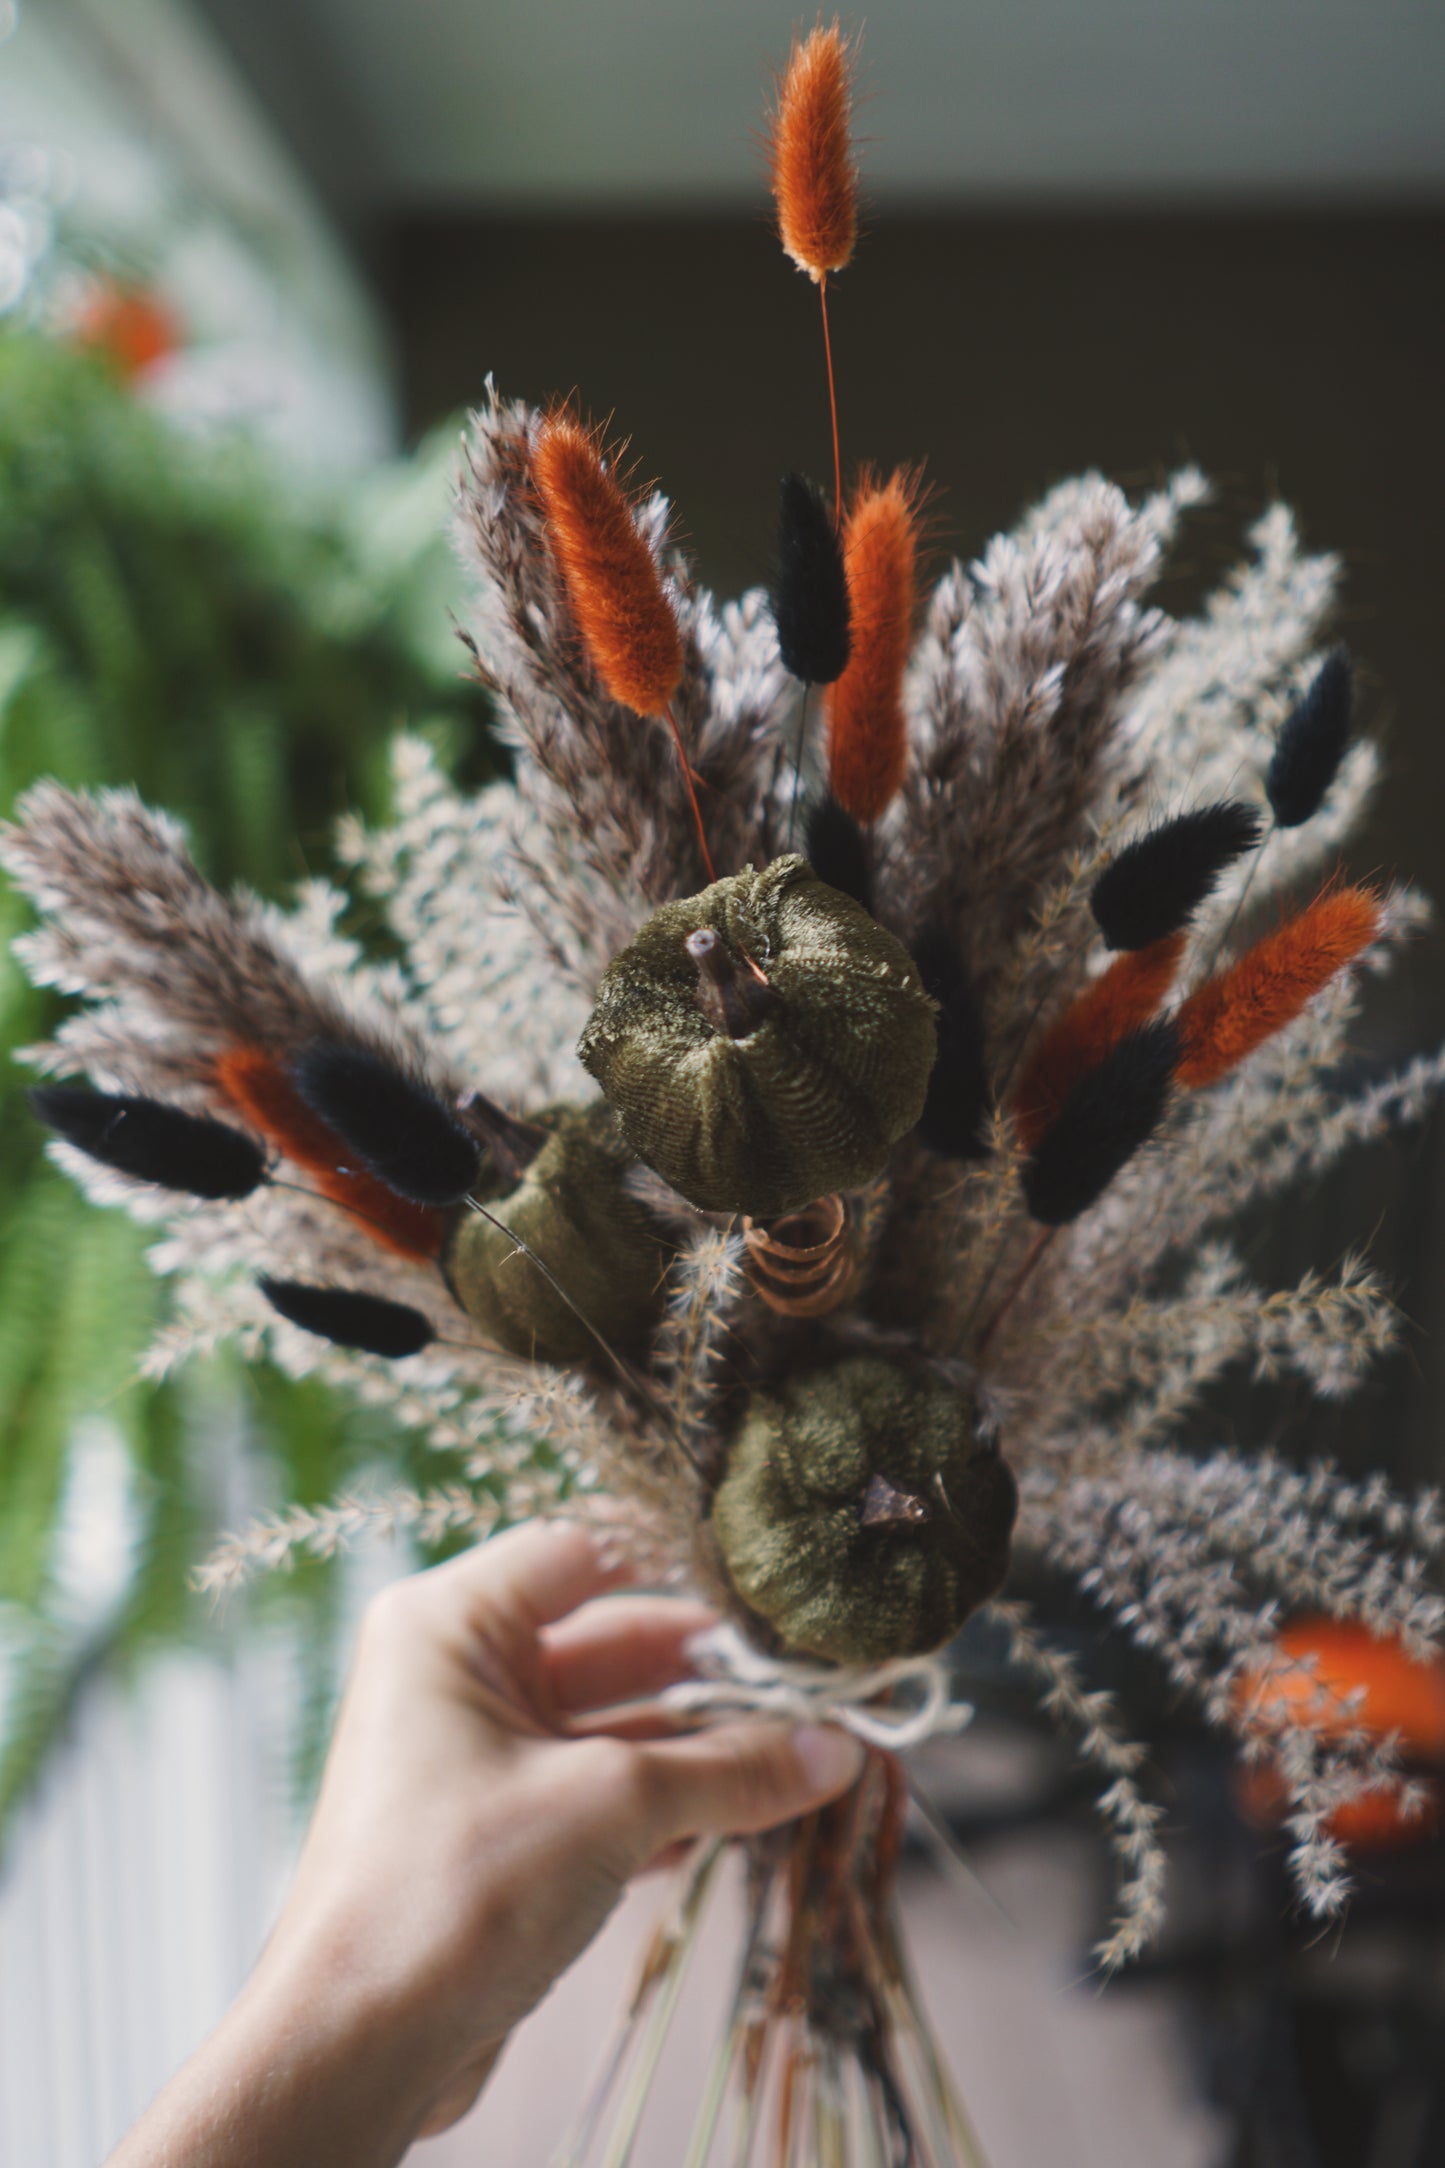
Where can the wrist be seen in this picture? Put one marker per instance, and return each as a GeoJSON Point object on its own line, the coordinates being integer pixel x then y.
{"type": "Point", "coordinates": [303, 2068]}
{"type": "Point", "coordinates": [323, 2022]}
{"type": "Point", "coordinates": [279, 2085]}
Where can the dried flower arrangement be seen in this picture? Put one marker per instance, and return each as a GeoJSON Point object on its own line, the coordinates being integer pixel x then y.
{"type": "Point", "coordinates": [893, 1239]}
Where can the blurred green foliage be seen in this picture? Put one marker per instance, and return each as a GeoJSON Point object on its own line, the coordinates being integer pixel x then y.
{"type": "Point", "coordinates": [183, 617]}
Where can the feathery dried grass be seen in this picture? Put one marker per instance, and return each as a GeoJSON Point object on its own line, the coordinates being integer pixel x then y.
{"type": "Point", "coordinates": [1131, 1821]}
{"type": "Point", "coordinates": [609, 798]}
{"type": "Point", "coordinates": [1047, 704]}
{"type": "Point", "coordinates": [1016, 706]}
{"type": "Point", "coordinates": [182, 972]}
{"type": "Point", "coordinates": [703, 1290]}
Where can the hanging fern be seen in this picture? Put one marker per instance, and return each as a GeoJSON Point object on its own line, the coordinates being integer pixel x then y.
{"type": "Point", "coordinates": [172, 615]}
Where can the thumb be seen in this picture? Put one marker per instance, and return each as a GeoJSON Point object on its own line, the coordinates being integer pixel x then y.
{"type": "Point", "coordinates": [745, 1776]}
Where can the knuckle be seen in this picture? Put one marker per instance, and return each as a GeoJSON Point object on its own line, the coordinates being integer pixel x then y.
{"type": "Point", "coordinates": [390, 1611]}
{"type": "Point", "coordinates": [619, 1778]}
{"type": "Point", "coordinates": [624, 1788]}
{"type": "Point", "coordinates": [751, 1775]}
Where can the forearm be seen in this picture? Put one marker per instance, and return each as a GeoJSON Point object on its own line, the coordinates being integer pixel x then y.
{"type": "Point", "coordinates": [297, 2075]}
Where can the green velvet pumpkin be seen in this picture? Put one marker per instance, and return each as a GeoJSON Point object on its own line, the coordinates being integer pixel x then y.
{"type": "Point", "coordinates": [570, 1207]}
{"type": "Point", "coordinates": [764, 1042]}
{"type": "Point", "coordinates": [860, 1515]}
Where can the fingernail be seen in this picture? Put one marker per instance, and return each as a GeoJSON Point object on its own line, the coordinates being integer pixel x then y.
{"type": "Point", "coordinates": [831, 1759]}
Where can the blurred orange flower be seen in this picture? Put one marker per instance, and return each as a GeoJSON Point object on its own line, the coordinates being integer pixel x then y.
{"type": "Point", "coordinates": [1398, 1694]}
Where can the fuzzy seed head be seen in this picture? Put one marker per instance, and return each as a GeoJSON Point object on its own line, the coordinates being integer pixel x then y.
{"type": "Point", "coordinates": [1312, 743]}
{"type": "Point", "coordinates": [867, 732]}
{"type": "Point", "coordinates": [613, 584]}
{"type": "Point", "coordinates": [955, 1112]}
{"type": "Point", "coordinates": [1226, 1018]}
{"type": "Point", "coordinates": [392, 1122]}
{"type": "Point", "coordinates": [1110, 1113]}
{"type": "Point", "coordinates": [837, 852]}
{"type": "Point", "coordinates": [814, 176]}
{"type": "Point", "coordinates": [349, 1318]}
{"type": "Point", "coordinates": [810, 597]}
{"type": "Point", "coordinates": [1125, 996]}
{"type": "Point", "coordinates": [152, 1142]}
{"type": "Point", "coordinates": [1156, 883]}
{"type": "Point", "coordinates": [258, 1087]}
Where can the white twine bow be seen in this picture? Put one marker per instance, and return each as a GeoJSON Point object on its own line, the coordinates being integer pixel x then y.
{"type": "Point", "coordinates": [737, 1677]}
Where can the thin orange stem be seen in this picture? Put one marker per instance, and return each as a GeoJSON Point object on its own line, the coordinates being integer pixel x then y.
{"type": "Point", "coordinates": [1040, 1243]}
{"type": "Point", "coordinates": [832, 407]}
{"type": "Point", "coordinates": [671, 721]}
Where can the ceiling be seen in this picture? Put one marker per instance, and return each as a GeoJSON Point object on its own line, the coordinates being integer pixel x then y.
{"type": "Point", "coordinates": [534, 103]}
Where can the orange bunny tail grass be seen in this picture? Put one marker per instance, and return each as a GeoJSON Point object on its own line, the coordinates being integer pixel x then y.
{"type": "Point", "coordinates": [613, 585]}
{"type": "Point", "coordinates": [867, 735]}
{"type": "Point", "coordinates": [1125, 998]}
{"type": "Point", "coordinates": [1226, 1018]}
{"type": "Point", "coordinates": [815, 181]}
{"type": "Point", "coordinates": [259, 1089]}
{"type": "Point", "coordinates": [615, 590]}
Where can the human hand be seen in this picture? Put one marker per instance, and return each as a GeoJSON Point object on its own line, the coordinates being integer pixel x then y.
{"type": "Point", "coordinates": [478, 1819]}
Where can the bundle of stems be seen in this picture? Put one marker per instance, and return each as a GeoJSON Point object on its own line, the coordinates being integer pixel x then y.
{"type": "Point", "coordinates": [826, 2059]}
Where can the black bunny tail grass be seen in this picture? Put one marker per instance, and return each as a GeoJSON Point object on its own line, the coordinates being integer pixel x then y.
{"type": "Point", "coordinates": [810, 595]}
{"type": "Point", "coordinates": [153, 1142]}
{"type": "Point", "coordinates": [956, 1110]}
{"type": "Point", "coordinates": [1104, 1121]}
{"type": "Point", "coordinates": [1155, 884]}
{"type": "Point", "coordinates": [1311, 745]}
{"type": "Point", "coordinates": [365, 1322]}
{"type": "Point", "coordinates": [837, 851]}
{"type": "Point", "coordinates": [399, 1129]}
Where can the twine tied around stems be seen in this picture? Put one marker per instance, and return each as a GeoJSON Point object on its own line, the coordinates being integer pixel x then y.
{"type": "Point", "coordinates": [736, 1677]}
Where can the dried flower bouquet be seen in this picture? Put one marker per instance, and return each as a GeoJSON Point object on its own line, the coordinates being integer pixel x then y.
{"type": "Point", "coordinates": [897, 1233]}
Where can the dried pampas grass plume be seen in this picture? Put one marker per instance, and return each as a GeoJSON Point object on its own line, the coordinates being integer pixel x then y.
{"type": "Point", "coordinates": [867, 732]}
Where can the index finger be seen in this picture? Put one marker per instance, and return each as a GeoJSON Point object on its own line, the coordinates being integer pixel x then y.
{"type": "Point", "coordinates": [533, 1575]}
